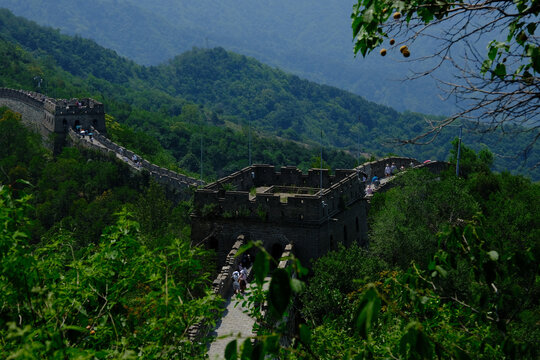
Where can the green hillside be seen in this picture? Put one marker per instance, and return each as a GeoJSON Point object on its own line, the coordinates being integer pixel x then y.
{"type": "Point", "coordinates": [200, 89]}
{"type": "Point", "coordinates": [97, 262]}
{"type": "Point", "coordinates": [310, 38]}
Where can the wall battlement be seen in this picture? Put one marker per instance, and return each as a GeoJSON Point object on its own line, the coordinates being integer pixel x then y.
{"type": "Point", "coordinates": [282, 207]}
{"type": "Point", "coordinates": [262, 193]}
{"type": "Point", "coordinates": [176, 184]}
{"type": "Point", "coordinates": [29, 97]}
{"type": "Point", "coordinates": [376, 168]}
{"type": "Point", "coordinates": [54, 116]}
{"type": "Point", "coordinates": [60, 117]}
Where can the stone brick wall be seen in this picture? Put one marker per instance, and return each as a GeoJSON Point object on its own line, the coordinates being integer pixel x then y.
{"type": "Point", "coordinates": [30, 106]}
{"type": "Point", "coordinates": [221, 286]}
{"type": "Point", "coordinates": [435, 167]}
{"type": "Point", "coordinates": [341, 190]}
{"type": "Point", "coordinates": [311, 240]}
{"type": "Point", "coordinates": [54, 116]}
{"type": "Point", "coordinates": [266, 175]}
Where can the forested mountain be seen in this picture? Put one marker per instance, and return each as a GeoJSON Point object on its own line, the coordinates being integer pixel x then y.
{"type": "Point", "coordinates": [204, 88]}
{"type": "Point", "coordinates": [312, 39]}
{"type": "Point", "coordinates": [98, 263]}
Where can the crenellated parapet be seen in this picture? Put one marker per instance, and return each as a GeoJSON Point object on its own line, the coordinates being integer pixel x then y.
{"type": "Point", "coordinates": [29, 97]}
{"type": "Point", "coordinates": [262, 193]}
{"type": "Point", "coordinates": [64, 118]}
{"type": "Point", "coordinates": [75, 107]}
{"type": "Point", "coordinates": [175, 183]}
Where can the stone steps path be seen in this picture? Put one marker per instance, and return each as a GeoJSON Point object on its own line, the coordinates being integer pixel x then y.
{"type": "Point", "coordinates": [234, 324]}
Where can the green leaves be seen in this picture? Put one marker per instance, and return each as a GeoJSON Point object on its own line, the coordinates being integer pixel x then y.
{"type": "Point", "coordinates": [367, 312]}
{"type": "Point", "coordinates": [279, 293]}
{"type": "Point", "coordinates": [261, 266]}
{"type": "Point", "coordinates": [414, 344]}
{"type": "Point", "coordinates": [305, 334]}
{"type": "Point", "coordinates": [118, 295]}
{"type": "Point", "coordinates": [231, 351]}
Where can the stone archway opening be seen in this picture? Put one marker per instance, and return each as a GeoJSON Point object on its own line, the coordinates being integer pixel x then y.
{"type": "Point", "coordinates": [213, 244]}
{"type": "Point", "coordinates": [276, 251]}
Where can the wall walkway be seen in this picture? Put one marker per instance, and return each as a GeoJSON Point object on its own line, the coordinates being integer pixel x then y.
{"type": "Point", "coordinates": [162, 175]}
{"type": "Point", "coordinates": [43, 115]}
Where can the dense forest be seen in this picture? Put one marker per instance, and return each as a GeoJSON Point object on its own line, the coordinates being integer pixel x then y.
{"type": "Point", "coordinates": [88, 249]}
{"type": "Point", "coordinates": [97, 262]}
{"type": "Point", "coordinates": [216, 87]}
{"type": "Point", "coordinates": [310, 38]}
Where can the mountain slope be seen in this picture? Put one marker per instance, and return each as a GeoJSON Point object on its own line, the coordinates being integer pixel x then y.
{"type": "Point", "coordinates": [173, 102]}
{"type": "Point", "coordinates": [309, 38]}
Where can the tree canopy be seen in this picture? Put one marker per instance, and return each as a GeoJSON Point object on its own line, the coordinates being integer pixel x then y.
{"type": "Point", "coordinates": [459, 279]}
{"type": "Point", "coordinates": [498, 87]}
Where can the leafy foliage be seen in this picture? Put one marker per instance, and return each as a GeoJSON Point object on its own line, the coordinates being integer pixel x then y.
{"type": "Point", "coordinates": [410, 216]}
{"type": "Point", "coordinates": [472, 294]}
{"type": "Point", "coordinates": [116, 299]}
{"type": "Point", "coordinates": [80, 278]}
{"type": "Point", "coordinates": [498, 88]}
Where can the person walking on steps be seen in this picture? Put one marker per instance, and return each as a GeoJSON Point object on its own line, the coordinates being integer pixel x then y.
{"type": "Point", "coordinates": [236, 284]}
{"type": "Point", "coordinates": [243, 280]}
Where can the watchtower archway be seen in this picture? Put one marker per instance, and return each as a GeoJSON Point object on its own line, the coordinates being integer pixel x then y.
{"type": "Point", "coordinates": [275, 251]}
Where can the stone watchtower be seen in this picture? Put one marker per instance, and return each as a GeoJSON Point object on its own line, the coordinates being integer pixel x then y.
{"type": "Point", "coordinates": [86, 113]}
{"type": "Point", "coordinates": [314, 211]}
{"type": "Point", "coordinates": [49, 116]}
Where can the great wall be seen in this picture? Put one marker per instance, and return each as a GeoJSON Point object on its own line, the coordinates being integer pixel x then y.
{"type": "Point", "coordinates": [289, 211]}
{"type": "Point", "coordinates": [56, 119]}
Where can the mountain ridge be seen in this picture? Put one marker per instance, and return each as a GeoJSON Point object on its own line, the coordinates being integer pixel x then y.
{"type": "Point", "coordinates": [310, 39]}
{"type": "Point", "coordinates": [236, 90]}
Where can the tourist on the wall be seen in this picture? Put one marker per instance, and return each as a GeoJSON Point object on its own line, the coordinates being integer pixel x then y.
{"type": "Point", "coordinates": [243, 279]}
{"type": "Point", "coordinates": [387, 171]}
{"type": "Point", "coordinates": [236, 284]}
{"type": "Point", "coordinates": [369, 190]}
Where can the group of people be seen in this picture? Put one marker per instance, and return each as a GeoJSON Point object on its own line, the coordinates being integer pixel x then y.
{"type": "Point", "coordinates": [82, 132]}
{"type": "Point", "coordinates": [240, 276]}
{"type": "Point", "coordinates": [239, 280]}
{"type": "Point", "coordinates": [389, 170]}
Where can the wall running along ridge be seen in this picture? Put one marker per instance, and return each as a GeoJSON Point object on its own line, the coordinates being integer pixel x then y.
{"type": "Point", "coordinates": [55, 119]}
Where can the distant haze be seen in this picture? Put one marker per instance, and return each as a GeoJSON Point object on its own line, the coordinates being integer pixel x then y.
{"type": "Point", "coordinates": [311, 38]}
